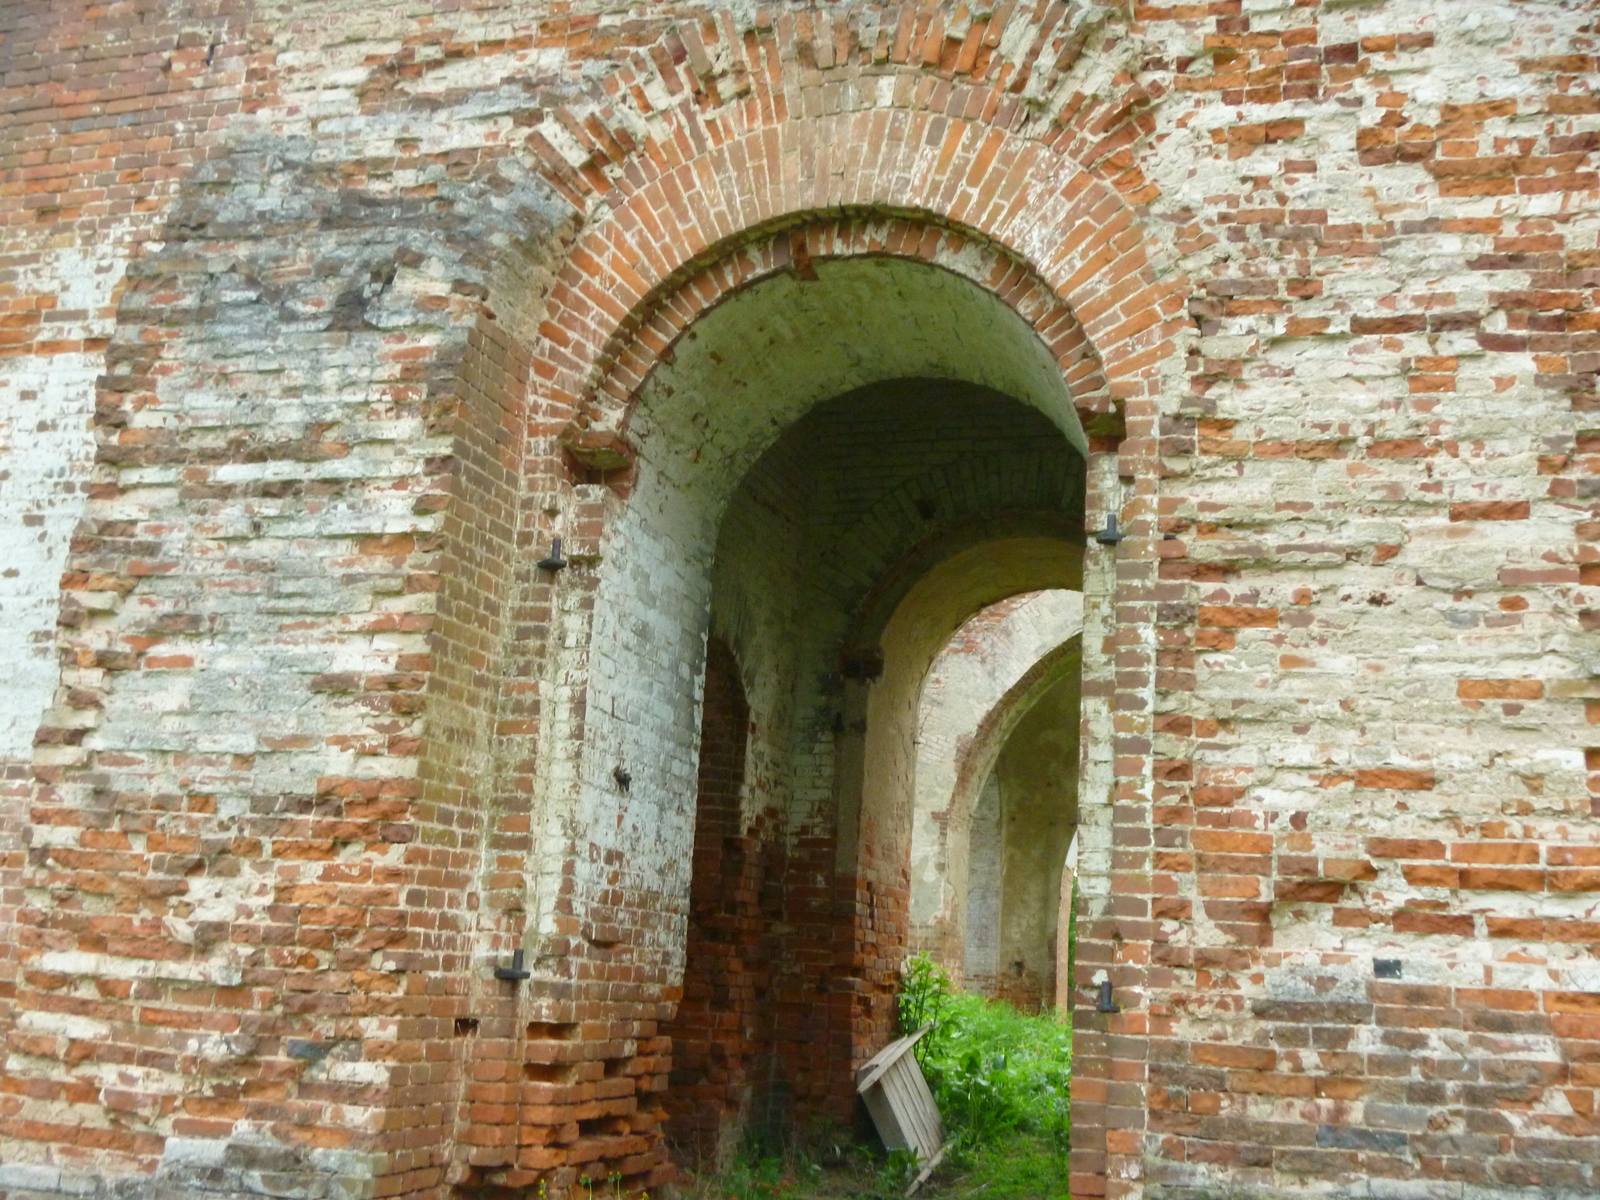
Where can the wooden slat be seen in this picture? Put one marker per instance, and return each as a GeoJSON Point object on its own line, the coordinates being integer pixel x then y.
{"type": "Point", "coordinates": [913, 1104]}
{"type": "Point", "coordinates": [922, 1103]}
{"type": "Point", "coordinates": [894, 1087]}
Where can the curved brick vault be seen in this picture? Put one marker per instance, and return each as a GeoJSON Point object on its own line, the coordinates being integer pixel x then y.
{"type": "Point", "coordinates": [362, 308]}
{"type": "Point", "coordinates": [796, 924]}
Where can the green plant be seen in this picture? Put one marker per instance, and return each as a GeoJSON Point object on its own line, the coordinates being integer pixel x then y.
{"type": "Point", "coordinates": [613, 1188]}
{"type": "Point", "coordinates": [900, 1170]}
{"type": "Point", "coordinates": [818, 1166]}
{"type": "Point", "coordinates": [924, 999]}
{"type": "Point", "coordinates": [1020, 1167]}
{"type": "Point", "coordinates": [994, 1071]}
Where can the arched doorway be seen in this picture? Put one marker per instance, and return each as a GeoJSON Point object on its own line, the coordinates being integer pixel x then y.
{"type": "Point", "coordinates": [826, 464]}
{"type": "Point", "coordinates": [834, 470]}
{"type": "Point", "coordinates": [997, 783]}
{"type": "Point", "coordinates": [919, 625]}
{"type": "Point", "coordinates": [1024, 819]}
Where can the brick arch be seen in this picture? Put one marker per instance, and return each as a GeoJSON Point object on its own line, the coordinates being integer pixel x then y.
{"type": "Point", "coordinates": [1070, 258]}
{"type": "Point", "coordinates": [704, 83]}
{"type": "Point", "coordinates": [1032, 210]}
{"type": "Point", "coordinates": [792, 245]}
{"type": "Point", "coordinates": [983, 751]}
{"type": "Point", "coordinates": [1099, 301]}
{"type": "Point", "coordinates": [706, 143]}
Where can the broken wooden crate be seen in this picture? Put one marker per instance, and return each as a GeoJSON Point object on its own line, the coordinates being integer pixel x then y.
{"type": "Point", "coordinates": [902, 1107]}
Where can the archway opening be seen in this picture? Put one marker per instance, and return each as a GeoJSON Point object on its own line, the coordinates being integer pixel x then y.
{"type": "Point", "coordinates": [1032, 792]}
{"type": "Point", "coordinates": [915, 497]}
{"type": "Point", "coordinates": [996, 796]}
{"type": "Point", "coordinates": [833, 473]}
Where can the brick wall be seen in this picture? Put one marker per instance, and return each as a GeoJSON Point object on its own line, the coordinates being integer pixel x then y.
{"type": "Point", "coordinates": [331, 281]}
{"type": "Point", "coordinates": [722, 1030]}
{"type": "Point", "coordinates": [1416, 546]}
{"type": "Point", "coordinates": [88, 154]}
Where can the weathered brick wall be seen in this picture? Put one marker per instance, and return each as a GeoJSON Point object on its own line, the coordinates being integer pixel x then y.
{"type": "Point", "coordinates": [1371, 799]}
{"type": "Point", "coordinates": [329, 280]}
{"type": "Point", "coordinates": [89, 149]}
{"type": "Point", "coordinates": [722, 1030]}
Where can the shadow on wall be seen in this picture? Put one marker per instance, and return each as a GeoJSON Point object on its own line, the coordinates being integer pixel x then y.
{"type": "Point", "coordinates": [722, 1031]}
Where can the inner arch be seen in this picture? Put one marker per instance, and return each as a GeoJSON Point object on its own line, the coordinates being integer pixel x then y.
{"type": "Point", "coordinates": [986, 680]}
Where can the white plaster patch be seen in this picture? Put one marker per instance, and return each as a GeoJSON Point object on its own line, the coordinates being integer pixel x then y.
{"type": "Point", "coordinates": [46, 452]}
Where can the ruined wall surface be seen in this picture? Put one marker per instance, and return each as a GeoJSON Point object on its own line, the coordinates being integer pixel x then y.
{"type": "Point", "coordinates": [295, 300]}
{"type": "Point", "coordinates": [980, 942]}
{"type": "Point", "coordinates": [723, 1023]}
{"type": "Point", "coordinates": [1375, 831]}
{"type": "Point", "coordinates": [79, 187]}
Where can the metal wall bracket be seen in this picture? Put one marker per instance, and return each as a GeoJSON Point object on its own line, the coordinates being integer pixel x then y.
{"type": "Point", "coordinates": [1107, 1004]}
{"type": "Point", "coordinates": [516, 972]}
{"type": "Point", "coordinates": [1110, 535]}
{"type": "Point", "coordinates": [552, 561]}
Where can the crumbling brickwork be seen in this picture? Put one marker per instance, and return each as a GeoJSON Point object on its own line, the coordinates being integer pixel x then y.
{"type": "Point", "coordinates": [722, 1030]}
{"type": "Point", "coordinates": [320, 320]}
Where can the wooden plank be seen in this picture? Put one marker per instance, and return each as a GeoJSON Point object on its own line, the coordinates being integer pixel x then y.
{"type": "Point", "coordinates": [884, 1118]}
{"type": "Point", "coordinates": [929, 1169]}
{"type": "Point", "coordinates": [913, 1105]}
{"type": "Point", "coordinates": [928, 1111]}
{"type": "Point", "coordinates": [905, 1113]}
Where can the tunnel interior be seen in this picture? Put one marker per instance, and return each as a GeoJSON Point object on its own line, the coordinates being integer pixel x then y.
{"type": "Point", "coordinates": [886, 475]}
